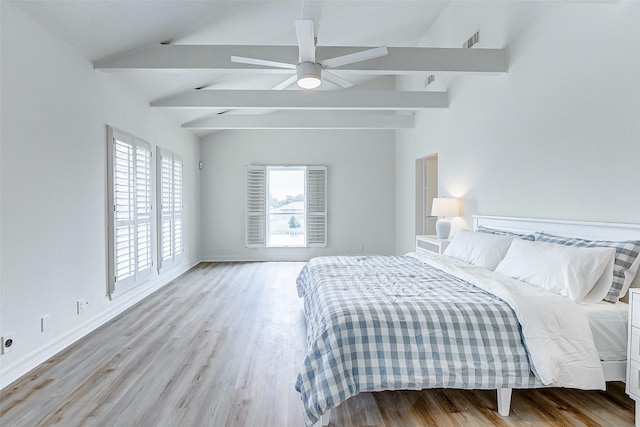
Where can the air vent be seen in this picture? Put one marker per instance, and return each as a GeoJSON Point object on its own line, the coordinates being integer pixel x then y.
{"type": "Point", "coordinates": [473, 40]}
{"type": "Point", "coordinates": [429, 80]}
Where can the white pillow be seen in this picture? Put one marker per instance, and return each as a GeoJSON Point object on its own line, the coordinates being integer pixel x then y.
{"type": "Point", "coordinates": [570, 271]}
{"type": "Point", "coordinates": [602, 286]}
{"type": "Point", "coordinates": [481, 249]}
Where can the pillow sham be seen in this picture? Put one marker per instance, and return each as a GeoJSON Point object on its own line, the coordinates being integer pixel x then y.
{"type": "Point", "coordinates": [602, 286]}
{"type": "Point", "coordinates": [626, 262]}
{"type": "Point", "coordinates": [483, 229]}
{"type": "Point", "coordinates": [480, 249]}
{"type": "Point", "coordinates": [569, 271]}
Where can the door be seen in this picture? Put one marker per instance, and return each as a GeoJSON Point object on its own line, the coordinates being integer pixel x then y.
{"type": "Point", "coordinates": [426, 190]}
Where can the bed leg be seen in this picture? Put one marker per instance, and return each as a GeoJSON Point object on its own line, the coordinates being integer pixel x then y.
{"type": "Point", "coordinates": [504, 401]}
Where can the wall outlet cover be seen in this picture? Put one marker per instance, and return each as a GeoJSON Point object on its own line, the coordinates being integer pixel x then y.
{"type": "Point", "coordinates": [7, 343]}
{"type": "Point", "coordinates": [45, 323]}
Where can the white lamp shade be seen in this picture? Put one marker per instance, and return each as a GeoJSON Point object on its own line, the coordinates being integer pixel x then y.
{"type": "Point", "coordinates": [444, 206]}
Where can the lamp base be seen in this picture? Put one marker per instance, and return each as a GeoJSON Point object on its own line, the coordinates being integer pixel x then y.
{"type": "Point", "coordinates": [443, 228]}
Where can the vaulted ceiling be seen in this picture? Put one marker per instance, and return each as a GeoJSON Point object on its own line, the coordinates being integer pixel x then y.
{"type": "Point", "coordinates": [177, 56]}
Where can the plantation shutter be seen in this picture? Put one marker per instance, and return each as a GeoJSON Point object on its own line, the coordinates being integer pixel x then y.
{"type": "Point", "coordinates": [316, 206]}
{"type": "Point", "coordinates": [255, 232]}
{"type": "Point", "coordinates": [178, 206]}
{"type": "Point", "coordinates": [170, 233]}
{"type": "Point", "coordinates": [130, 203]}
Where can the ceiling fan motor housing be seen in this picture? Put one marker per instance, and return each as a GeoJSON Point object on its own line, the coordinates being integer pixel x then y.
{"type": "Point", "coordinates": [309, 74]}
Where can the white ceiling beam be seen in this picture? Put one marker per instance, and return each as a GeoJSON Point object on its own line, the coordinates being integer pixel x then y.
{"type": "Point", "coordinates": [306, 100]}
{"type": "Point", "coordinates": [305, 120]}
{"type": "Point", "coordinates": [400, 60]}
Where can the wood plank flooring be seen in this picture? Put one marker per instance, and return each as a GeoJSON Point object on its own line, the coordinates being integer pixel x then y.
{"type": "Point", "coordinates": [221, 346]}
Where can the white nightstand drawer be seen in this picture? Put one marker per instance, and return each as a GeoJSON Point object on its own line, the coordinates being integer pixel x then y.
{"type": "Point", "coordinates": [633, 380]}
{"type": "Point", "coordinates": [635, 309]}
{"type": "Point", "coordinates": [427, 246]}
{"type": "Point", "coordinates": [428, 243]}
{"type": "Point", "coordinates": [634, 345]}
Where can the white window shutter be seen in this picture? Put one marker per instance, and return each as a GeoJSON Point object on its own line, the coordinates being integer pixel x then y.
{"type": "Point", "coordinates": [317, 206]}
{"type": "Point", "coordinates": [170, 232]}
{"type": "Point", "coordinates": [178, 236]}
{"type": "Point", "coordinates": [124, 256]}
{"type": "Point", "coordinates": [143, 211]}
{"type": "Point", "coordinates": [130, 256]}
{"type": "Point", "coordinates": [165, 178]}
{"type": "Point", "coordinates": [256, 207]}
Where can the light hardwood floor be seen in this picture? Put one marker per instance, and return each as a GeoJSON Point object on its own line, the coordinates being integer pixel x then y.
{"type": "Point", "coordinates": [221, 346]}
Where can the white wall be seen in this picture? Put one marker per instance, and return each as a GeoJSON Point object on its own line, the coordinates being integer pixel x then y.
{"type": "Point", "coordinates": [54, 111]}
{"type": "Point", "coordinates": [360, 189]}
{"type": "Point", "coordinates": [556, 137]}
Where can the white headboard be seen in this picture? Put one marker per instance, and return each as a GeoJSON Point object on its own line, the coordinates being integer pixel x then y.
{"type": "Point", "coordinates": [581, 229]}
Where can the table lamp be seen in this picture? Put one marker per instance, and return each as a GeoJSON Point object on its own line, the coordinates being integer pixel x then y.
{"type": "Point", "coordinates": [444, 207]}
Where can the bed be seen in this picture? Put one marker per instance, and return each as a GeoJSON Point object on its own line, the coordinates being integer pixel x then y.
{"type": "Point", "coordinates": [427, 320]}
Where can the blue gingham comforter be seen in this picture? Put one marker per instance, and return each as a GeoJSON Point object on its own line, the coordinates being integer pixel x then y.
{"type": "Point", "coordinates": [396, 323]}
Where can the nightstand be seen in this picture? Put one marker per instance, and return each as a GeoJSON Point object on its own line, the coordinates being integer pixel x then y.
{"type": "Point", "coordinates": [431, 243]}
{"type": "Point", "coordinates": [633, 350]}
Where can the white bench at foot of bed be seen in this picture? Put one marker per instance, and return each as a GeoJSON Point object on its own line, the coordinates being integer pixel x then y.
{"type": "Point", "coordinates": [504, 405]}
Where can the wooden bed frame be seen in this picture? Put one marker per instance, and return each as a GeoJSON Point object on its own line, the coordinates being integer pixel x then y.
{"type": "Point", "coordinates": [613, 370]}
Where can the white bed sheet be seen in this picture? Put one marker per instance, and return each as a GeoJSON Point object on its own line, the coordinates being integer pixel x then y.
{"type": "Point", "coordinates": [608, 324]}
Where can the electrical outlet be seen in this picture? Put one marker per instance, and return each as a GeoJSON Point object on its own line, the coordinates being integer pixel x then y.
{"type": "Point", "coordinates": [7, 343]}
{"type": "Point", "coordinates": [80, 305]}
{"type": "Point", "coordinates": [45, 323]}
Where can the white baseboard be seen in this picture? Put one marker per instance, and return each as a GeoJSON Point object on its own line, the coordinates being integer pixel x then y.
{"type": "Point", "coordinates": [243, 258]}
{"type": "Point", "coordinates": [32, 360]}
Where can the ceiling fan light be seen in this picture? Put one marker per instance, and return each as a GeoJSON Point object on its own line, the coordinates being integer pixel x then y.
{"type": "Point", "coordinates": [309, 82]}
{"type": "Point", "coordinates": [309, 75]}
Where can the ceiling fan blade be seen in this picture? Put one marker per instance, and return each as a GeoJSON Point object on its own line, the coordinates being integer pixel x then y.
{"type": "Point", "coordinates": [263, 62]}
{"type": "Point", "coordinates": [306, 40]}
{"type": "Point", "coordinates": [285, 84]}
{"type": "Point", "coordinates": [350, 58]}
{"type": "Point", "coordinates": [335, 79]}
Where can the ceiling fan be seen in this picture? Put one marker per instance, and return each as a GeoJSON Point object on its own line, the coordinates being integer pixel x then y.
{"type": "Point", "coordinates": [309, 73]}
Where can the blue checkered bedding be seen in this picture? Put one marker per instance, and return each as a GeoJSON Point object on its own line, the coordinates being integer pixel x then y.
{"type": "Point", "coordinates": [396, 323]}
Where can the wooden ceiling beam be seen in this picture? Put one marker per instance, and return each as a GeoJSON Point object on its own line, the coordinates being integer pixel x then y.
{"type": "Point", "coordinates": [305, 100]}
{"type": "Point", "coordinates": [305, 120]}
{"type": "Point", "coordinates": [399, 61]}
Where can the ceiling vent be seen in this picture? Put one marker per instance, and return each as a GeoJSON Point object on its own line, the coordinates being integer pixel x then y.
{"type": "Point", "coordinates": [473, 40]}
{"type": "Point", "coordinates": [429, 80]}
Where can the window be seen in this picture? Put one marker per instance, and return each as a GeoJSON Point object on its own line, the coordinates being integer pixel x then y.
{"type": "Point", "coordinates": [286, 206]}
{"type": "Point", "coordinates": [286, 210]}
{"type": "Point", "coordinates": [129, 187]}
{"type": "Point", "coordinates": [170, 230]}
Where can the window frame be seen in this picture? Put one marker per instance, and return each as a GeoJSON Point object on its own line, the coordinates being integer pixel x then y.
{"type": "Point", "coordinates": [267, 239]}
{"type": "Point", "coordinates": [141, 269]}
{"type": "Point", "coordinates": [256, 218]}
